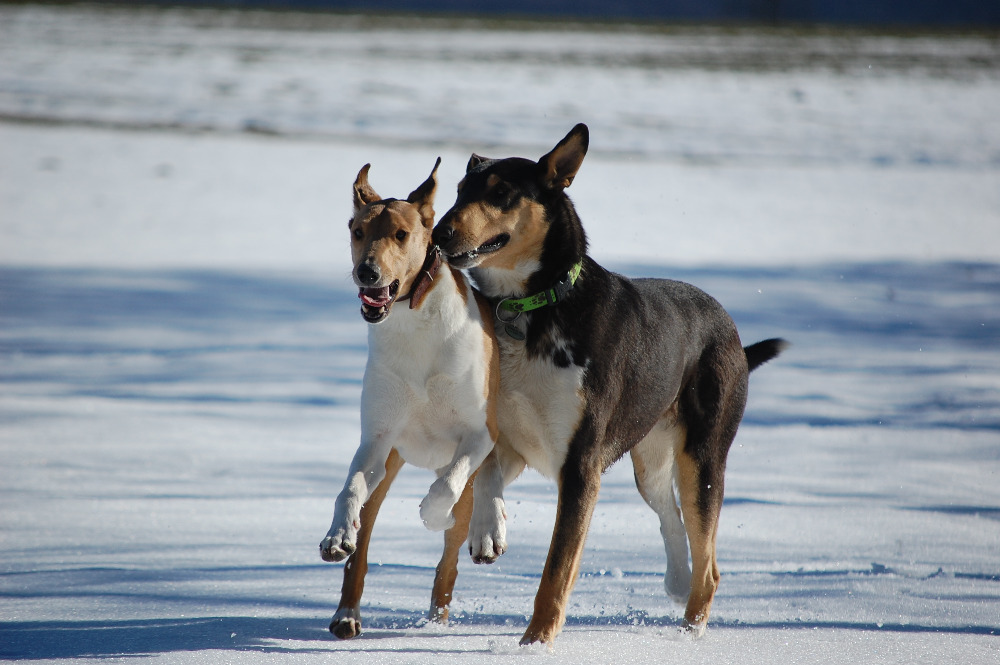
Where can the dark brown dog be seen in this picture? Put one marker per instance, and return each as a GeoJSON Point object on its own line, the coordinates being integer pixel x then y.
{"type": "Point", "coordinates": [594, 365]}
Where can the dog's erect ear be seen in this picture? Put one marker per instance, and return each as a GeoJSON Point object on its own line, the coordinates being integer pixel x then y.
{"type": "Point", "coordinates": [559, 167]}
{"type": "Point", "coordinates": [475, 161]}
{"type": "Point", "coordinates": [423, 196]}
{"type": "Point", "coordinates": [363, 192]}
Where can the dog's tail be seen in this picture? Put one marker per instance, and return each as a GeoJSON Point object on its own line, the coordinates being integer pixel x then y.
{"type": "Point", "coordinates": [759, 353]}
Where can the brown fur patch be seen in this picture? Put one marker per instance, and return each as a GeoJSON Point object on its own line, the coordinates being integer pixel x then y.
{"type": "Point", "coordinates": [526, 237]}
{"type": "Point", "coordinates": [491, 349]}
{"type": "Point", "coordinates": [461, 284]}
{"type": "Point", "coordinates": [701, 529]}
{"type": "Point", "coordinates": [480, 222]}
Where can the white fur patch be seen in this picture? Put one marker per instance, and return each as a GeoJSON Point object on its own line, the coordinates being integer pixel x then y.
{"type": "Point", "coordinates": [488, 527]}
{"type": "Point", "coordinates": [540, 403]}
{"type": "Point", "coordinates": [655, 472]}
{"type": "Point", "coordinates": [540, 406]}
{"type": "Point", "coordinates": [503, 281]}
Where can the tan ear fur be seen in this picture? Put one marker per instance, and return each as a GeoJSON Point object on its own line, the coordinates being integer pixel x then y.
{"type": "Point", "coordinates": [423, 197]}
{"type": "Point", "coordinates": [559, 167]}
{"type": "Point", "coordinates": [363, 192]}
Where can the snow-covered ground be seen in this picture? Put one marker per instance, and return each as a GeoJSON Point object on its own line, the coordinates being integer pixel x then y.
{"type": "Point", "coordinates": [181, 353]}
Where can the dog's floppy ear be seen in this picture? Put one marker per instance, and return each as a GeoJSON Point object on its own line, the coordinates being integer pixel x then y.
{"type": "Point", "coordinates": [423, 196]}
{"type": "Point", "coordinates": [475, 161]}
{"type": "Point", "coordinates": [559, 167]}
{"type": "Point", "coordinates": [363, 192]}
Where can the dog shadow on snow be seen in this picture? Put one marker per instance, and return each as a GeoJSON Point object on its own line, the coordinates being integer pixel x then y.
{"type": "Point", "coordinates": [841, 319]}
{"type": "Point", "coordinates": [297, 625]}
{"type": "Point", "coordinates": [51, 640]}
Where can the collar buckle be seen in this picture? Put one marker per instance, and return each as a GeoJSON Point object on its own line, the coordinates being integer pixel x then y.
{"type": "Point", "coordinates": [518, 306]}
{"type": "Point", "coordinates": [503, 306]}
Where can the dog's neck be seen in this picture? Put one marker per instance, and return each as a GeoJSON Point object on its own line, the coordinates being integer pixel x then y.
{"type": "Point", "coordinates": [441, 306]}
{"type": "Point", "coordinates": [505, 282]}
{"type": "Point", "coordinates": [424, 281]}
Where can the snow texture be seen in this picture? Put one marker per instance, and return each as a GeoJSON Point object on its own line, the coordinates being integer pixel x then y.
{"type": "Point", "coordinates": [181, 350]}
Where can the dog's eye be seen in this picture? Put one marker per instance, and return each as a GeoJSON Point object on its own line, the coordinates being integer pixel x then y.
{"type": "Point", "coordinates": [501, 195]}
{"type": "Point", "coordinates": [401, 235]}
{"type": "Point", "coordinates": [358, 234]}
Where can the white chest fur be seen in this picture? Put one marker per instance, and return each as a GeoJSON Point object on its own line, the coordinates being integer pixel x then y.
{"type": "Point", "coordinates": [501, 282]}
{"type": "Point", "coordinates": [540, 406]}
{"type": "Point", "coordinates": [425, 380]}
{"type": "Point", "coordinates": [540, 403]}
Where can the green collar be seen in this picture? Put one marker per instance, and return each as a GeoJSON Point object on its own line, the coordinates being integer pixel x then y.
{"type": "Point", "coordinates": [518, 306]}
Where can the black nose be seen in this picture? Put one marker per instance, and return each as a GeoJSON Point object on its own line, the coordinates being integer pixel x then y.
{"type": "Point", "coordinates": [442, 234]}
{"type": "Point", "coordinates": [367, 273]}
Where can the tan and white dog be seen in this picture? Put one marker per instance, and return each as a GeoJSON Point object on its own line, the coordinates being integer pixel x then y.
{"type": "Point", "coordinates": [429, 395]}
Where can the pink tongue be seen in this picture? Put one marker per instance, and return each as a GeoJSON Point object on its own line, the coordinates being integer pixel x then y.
{"type": "Point", "coordinates": [375, 297]}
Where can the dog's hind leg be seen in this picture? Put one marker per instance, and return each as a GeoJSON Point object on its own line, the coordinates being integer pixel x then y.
{"type": "Point", "coordinates": [447, 568]}
{"type": "Point", "coordinates": [711, 408]}
{"type": "Point", "coordinates": [701, 519]}
{"type": "Point", "coordinates": [653, 464]}
{"type": "Point", "coordinates": [347, 621]}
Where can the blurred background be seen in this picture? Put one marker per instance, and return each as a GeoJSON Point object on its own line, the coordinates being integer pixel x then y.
{"type": "Point", "coordinates": [963, 13]}
{"type": "Point", "coordinates": [763, 131]}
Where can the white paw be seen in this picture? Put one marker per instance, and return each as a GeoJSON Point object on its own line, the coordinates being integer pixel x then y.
{"type": "Point", "coordinates": [436, 508]}
{"type": "Point", "coordinates": [696, 629]}
{"type": "Point", "coordinates": [338, 544]}
{"type": "Point", "coordinates": [488, 532]}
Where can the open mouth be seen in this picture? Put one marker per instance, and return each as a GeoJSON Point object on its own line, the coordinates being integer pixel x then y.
{"type": "Point", "coordinates": [376, 301]}
{"type": "Point", "coordinates": [469, 258]}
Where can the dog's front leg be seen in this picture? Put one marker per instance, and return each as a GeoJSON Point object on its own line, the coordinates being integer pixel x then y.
{"type": "Point", "coordinates": [578, 489]}
{"type": "Point", "coordinates": [488, 528]}
{"type": "Point", "coordinates": [436, 507]}
{"type": "Point", "coordinates": [346, 622]}
{"type": "Point", "coordinates": [367, 471]}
